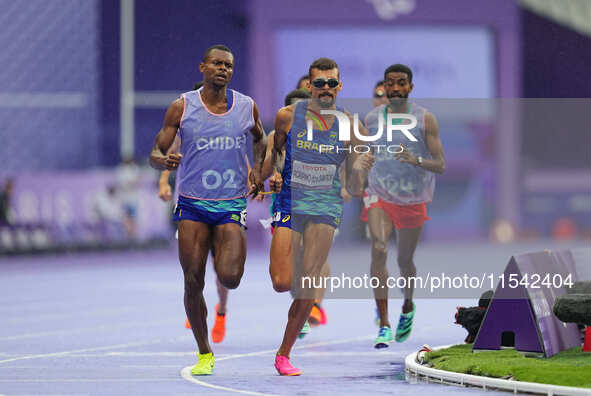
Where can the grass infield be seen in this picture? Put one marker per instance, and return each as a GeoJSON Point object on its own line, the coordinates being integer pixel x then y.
{"type": "Point", "coordinates": [567, 368]}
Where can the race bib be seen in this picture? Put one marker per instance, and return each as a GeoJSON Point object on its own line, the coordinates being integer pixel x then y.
{"type": "Point", "coordinates": [313, 176]}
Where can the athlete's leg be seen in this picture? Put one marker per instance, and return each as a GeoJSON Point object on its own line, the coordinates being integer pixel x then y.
{"type": "Point", "coordinates": [218, 331]}
{"type": "Point", "coordinates": [380, 227]}
{"type": "Point", "coordinates": [282, 257]}
{"type": "Point", "coordinates": [229, 242]}
{"type": "Point", "coordinates": [318, 315]}
{"type": "Point", "coordinates": [406, 241]}
{"type": "Point", "coordinates": [194, 242]}
{"type": "Point", "coordinates": [222, 291]}
{"type": "Point", "coordinates": [223, 297]}
{"type": "Point", "coordinates": [324, 273]}
{"type": "Point", "coordinates": [317, 241]}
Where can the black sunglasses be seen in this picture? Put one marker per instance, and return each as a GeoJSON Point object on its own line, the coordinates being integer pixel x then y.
{"type": "Point", "coordinates": [320, 82]}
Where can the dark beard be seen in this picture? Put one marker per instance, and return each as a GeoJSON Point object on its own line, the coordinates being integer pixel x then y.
{"type": "Point", "coordinates": [398, 102]}
{"type": "Point", "coordinates": [326, 104]}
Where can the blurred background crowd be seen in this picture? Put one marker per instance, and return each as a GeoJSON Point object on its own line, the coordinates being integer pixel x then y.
{"type": "Point", "coordinates": [85, 85]}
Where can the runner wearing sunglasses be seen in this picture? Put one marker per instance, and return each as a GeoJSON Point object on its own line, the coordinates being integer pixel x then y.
{"type": "Point", "coordinates": [309, 206]}
{"type": "Point", "coordinates": [317, 315]}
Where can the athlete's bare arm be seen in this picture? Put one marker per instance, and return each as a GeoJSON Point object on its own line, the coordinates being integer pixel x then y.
{"type": "Point", "coordinates": [433, 142]}
{"type": "Point", "coordinates": [283, 121]}
{"type": "Point", "coordinates": [259, 145]}
{"type": "Point", "coordinates": [358, 163]}
{"type": "Point", "coordinates": [437, 164]}
{"type": "Point", "coordinates": [164, 188]}
{"type": "Point", "coordinates": [160, 158]}
{"type": "Point", "coordinates": [267, 168]}
{"type": "Point", "coordinates": [343, 176]}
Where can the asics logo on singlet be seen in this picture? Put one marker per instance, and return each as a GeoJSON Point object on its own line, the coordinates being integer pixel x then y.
{"type": "Point", "coordinates": [220, 143]}
{"type": "Point", "coordinates": [345, 127]}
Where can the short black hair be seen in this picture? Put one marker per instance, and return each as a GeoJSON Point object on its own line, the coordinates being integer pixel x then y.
{"type": "Point", "coordinates": [302, 78]}
{"type": "Point", "coordinates": [399, 69]}
{"type": "Point", "coordinates": [220, 47]}
{"type": "Point", "coordinates": [381, 82]}
{"type": "Point", "coordinates": [296, 94]}
{"type": "Point", "coordinates": [197, 85]}
{"type": "Point", "coordinates": [323, 64]}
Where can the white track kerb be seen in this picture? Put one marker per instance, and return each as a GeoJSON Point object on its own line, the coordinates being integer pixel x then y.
{"type": "Point", "coordinates": [451, 378]}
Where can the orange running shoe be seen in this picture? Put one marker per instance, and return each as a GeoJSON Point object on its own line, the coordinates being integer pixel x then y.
{"type": "Point", "coordinates": [187, 323]}
{"type": "Point", "coordinates": [317, 316]}
{"type": "Point", "coordinates": [219, 328]}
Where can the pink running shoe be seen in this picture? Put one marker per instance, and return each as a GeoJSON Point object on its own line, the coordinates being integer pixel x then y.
{"type": "Point", "coordinates": [284, 367]}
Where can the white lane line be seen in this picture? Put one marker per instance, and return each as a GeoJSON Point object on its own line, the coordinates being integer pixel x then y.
{"type": "Point", "coordinates": [78, 330]}
{"type": "Point", "coordinates": [53, 394]}
{"type": "Point", "coordinates": [132, 354]}
{"type": "Point", "coordinates": [44, 380]}
{"type": "Point", "coordinates": [186, 372]}
{"type": "Point", "coordinates": [153, 366]}
{"type": "Point", "coordinates": [35, 318]}
{"type": "Point", "coordinates": [65, 353]}
{"type": "Point", "coordinates": [374, 353]}
{"type": "Point", "coordinates": [149, 354]}
{"type": "Point", "coordinates": [268, 351]}
{"type": "Point", "coordinates": [218, 358]}
{"type": "Point", "coordinates": [145, 366]}
{"type": "Point", "coordinates": [27, 368]}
